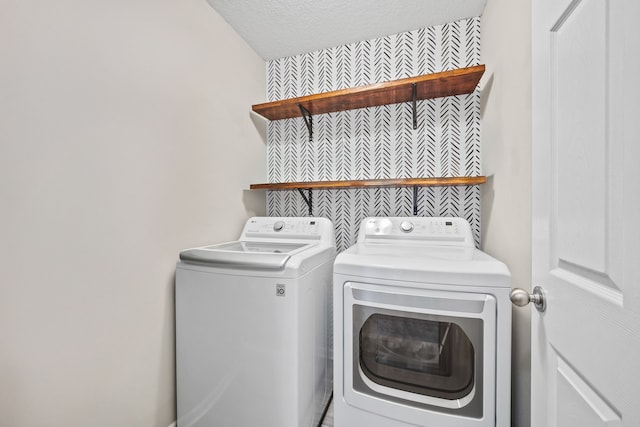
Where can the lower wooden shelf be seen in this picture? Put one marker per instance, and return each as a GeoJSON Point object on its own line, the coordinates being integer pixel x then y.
{"type": "Point", "coordinates": [370, 183]}
{"type": "Point", "coordinates": [403, 182]}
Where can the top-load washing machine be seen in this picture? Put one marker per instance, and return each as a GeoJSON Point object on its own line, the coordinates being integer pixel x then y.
{"type": "Point", "coordinates": [422, 328]}
{"type": "Point", "coordinates": [252, 326]}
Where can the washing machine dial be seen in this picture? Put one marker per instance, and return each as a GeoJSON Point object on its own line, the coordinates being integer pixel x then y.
{"type": "Point", "coordinates": [406, 226]}
{"type": "Point", "coordinates": [278, 226]}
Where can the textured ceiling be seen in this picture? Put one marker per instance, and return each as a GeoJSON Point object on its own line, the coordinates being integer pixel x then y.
{"type": "Point", "coordinates": [280, 28]}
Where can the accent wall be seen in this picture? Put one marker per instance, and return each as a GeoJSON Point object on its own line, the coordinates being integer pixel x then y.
{"type": "Point", "coordinates": [378, 142]}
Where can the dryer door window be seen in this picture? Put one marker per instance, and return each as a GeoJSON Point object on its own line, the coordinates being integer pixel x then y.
{"type": "Point", "coordinates": [427, 357]}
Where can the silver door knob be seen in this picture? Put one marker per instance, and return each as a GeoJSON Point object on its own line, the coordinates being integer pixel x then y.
{"type": "Point", "coordinates": [520, 297]}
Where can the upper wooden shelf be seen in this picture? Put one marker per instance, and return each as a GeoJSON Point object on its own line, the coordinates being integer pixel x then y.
{"type": "Point", "coordinates": [406, 182]}
{"type": "Point", "coordinates": [447, 83]}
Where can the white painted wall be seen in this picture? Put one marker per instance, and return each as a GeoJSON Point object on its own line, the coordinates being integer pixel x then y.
{"type": "Point", "coordinates": [125, 135]}
{"type": "Point", "coordinates": [506, 145]}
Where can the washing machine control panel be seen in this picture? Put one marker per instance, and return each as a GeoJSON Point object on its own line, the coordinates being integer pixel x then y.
{"type": "Point", "coordinates": [306, 228]}
{"type": "Point", "coordinates": [438, 230]}
{"type": "Point", "coordinates": [283, 226]}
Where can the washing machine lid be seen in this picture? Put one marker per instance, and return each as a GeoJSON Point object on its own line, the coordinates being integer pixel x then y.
{"type": "Point", "coordinates": [245, 255]}
{"type": "Point", "coordinates": [423, 264]}
{"type": "Point", "coordinates": [281, 246]}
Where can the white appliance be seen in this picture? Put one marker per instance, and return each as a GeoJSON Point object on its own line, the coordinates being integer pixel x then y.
{"type": "Point", "coordinates": [422, 328]}
{"type": "Point", "coordinates": [253, 326]}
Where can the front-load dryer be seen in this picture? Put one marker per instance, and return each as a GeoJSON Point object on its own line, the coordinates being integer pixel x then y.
{"type": "Point", "coordinates": [422, 328]}
{"type": "Point", "coordinates": [253, 326]}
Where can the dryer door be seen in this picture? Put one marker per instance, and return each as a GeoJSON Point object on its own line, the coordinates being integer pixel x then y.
{"type": "Point", "coordinates": [432, 351]}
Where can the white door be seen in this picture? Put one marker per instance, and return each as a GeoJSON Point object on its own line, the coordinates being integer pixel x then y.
{"type": "Point", "coordinates": [586, 212]}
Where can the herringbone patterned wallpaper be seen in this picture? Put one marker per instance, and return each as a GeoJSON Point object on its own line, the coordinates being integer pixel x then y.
{"type": "Point", "coordinates": [378, 142]}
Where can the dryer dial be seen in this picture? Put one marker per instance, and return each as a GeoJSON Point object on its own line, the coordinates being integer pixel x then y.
{"type": "Point", "coordinates": [278, 226]}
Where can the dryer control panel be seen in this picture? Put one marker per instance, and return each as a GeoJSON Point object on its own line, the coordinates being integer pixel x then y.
{"type": "Point", "coordinates": [449, 231]}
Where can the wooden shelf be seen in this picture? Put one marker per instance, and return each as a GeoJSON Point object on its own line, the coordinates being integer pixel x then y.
{"type": "Point", "coordinates": [407, 182]}
{"type": "Point", "coordinates": [447, 83]}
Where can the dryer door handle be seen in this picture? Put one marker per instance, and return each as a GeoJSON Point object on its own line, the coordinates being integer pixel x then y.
{"type": "Point", "coordinates": [520, 297]}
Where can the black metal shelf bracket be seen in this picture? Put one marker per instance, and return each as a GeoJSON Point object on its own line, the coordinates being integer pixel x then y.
{"type": "Point", "coordinates": [308, 120]}
{"type": "Point", "coordinates": [414, 89]}
{"type": "Point", "coordinates": [415, 200]}
{"type": "Point", "coordinates": [308, 199]}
